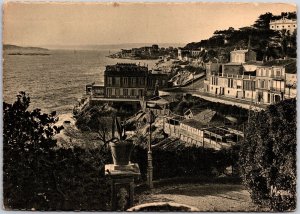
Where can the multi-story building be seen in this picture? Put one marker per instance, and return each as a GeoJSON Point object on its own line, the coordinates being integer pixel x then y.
{"type": "Point", "coordinates": [125, 80]}
{"type": "Point", "coordinates": [284, 23]}
{"type": "Point", "coordinates": [242, 56]}
{"type": "Point", "coordinates": [128, 81]}
{"type": "Point", "coordinates": [265, 83]}
{"type": "Point", "coordinates": [272, 81]}
{"type": "Point", "coordinates": [186, 54]}
{"type": "Point", "coordinates": [206, 129]}
{"type": "Point", "coordinates": [290, 83]}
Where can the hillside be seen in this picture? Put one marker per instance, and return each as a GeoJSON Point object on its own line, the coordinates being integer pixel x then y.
{"type": "Point", "coordinates": [266, 43]}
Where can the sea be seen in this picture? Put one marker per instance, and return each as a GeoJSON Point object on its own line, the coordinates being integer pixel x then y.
{"type": "Point", "coordinates": [55, 82]}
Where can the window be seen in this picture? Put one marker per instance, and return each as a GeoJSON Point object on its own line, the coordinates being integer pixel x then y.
{"type": "Point", "coordinates": [262, 84]}
{"type": "Point", "coordinates": [132, 92]}
{"type": "Point", "coordinates": [109, 92]}
{"type": "Point", "coordinates": [140, 92]}
{"type": "Point", "coordinates": [278, 73]}
{"type": "Point", "coordinates": [142, 81]}
{"type": "Point", "coordinates": [117, 81]}
{"type": "Point", "coordinates": [109, 81]}
{"type": "Point", "coordinates": [230, 83]}
{"type": "Point", "coordinates": [249, 85]}
{"type": "Point", "coordinates": [117, 92]}
{"type": "Point", "coordinates": [125, 81]}
{"type": "Point", "coordinates": [125, 92]}
{"type": "Point", "coordinates": [214, 80]}
{"type": "Point", "coordinates": [228, 91]}
{"type": "Point", "coordinates": [133, 81]}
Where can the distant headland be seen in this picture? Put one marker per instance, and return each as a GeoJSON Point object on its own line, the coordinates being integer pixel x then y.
{"type": "Point", "coordinates": [19, 50]}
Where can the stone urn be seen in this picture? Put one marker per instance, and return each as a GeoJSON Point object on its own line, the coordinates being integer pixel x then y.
{"type": "Point", "coordinates": [121, 151]}
{"type": "Point", "coordinates": [163, 207]}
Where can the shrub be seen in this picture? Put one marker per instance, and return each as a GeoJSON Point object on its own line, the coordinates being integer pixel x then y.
{"type": "Point", "coordinates": [38, 175]}
{"type": "Point", "coordinates": [268, 156]}
{"type": "Point", "coordinates": [181, 161]}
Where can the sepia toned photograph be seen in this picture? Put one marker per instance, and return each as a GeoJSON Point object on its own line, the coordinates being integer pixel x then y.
{"type": "Point", "coordinates": [174, 107]}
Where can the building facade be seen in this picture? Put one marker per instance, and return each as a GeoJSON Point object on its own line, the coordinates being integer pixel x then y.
{"type": "Point", "coordinates": [125, 81]}
{"type": "Point", "coordinates": [263, 83]}
{"type": "Point", "coordinates": [242, 56]}
{"type": "Point", "coordinates": [290, 84]}
{"type": "Point", "coordinates": [128, 81]}
{"type": "Point", "coordinates": [284, 24]}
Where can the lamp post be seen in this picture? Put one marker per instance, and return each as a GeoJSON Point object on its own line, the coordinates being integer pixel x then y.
{"type": "Point", "coordinates": [150, 120]}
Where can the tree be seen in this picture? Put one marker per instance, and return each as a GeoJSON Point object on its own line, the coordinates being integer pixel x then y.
{"type": "Point", "coordinates": [27, 144]}
{"type": "Point", "coordinates": [263, 21]}
{"type": "Point", "coordinates": [41, 176]}
{"type": "Point", "coordinates": [268, 156]}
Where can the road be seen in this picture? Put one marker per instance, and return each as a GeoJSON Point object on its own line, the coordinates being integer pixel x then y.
{"type": "Point", "coordinates": [205, 196]}
{"type": "Point", "coordinates": [193, 89]}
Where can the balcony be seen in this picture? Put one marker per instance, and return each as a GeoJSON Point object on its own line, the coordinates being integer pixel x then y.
{"type": "Point", "coordinates": [277, 77]}
{"type": "Point", "coordinates": [273, 89]}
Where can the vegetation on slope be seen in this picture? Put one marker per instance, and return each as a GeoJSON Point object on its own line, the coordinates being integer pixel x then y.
{"type": "Point", "coordinates": [268, 156]}
{"type": "Point", "coordinates": [265, 42]}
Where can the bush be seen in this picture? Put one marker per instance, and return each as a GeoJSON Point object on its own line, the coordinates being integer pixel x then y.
{"type": "Point", "coordinates": [268, 156]}
{"type": "Point", "coordinates": [181, 161]}
{"type": "Point", "coordinates": [38, 175]}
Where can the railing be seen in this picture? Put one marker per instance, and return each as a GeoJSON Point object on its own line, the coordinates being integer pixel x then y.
{"type": "Point", "coordinates": [277, 76]}
{"type": "Point", "coordinates": [277, 89]}
{"type": "Point", "coordinates": [241, 76]}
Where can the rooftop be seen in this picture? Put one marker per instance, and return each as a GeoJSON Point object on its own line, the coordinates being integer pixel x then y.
{"type": "Point", "coordinates": [221, 131]}
{"type": "Point", "coordinates": [205, 116]}
{"type": "Point", "coordinates": [124, 69]}
{"type": "Point", "coordinates": [289, 64]}
{"type": "Point", "coordinates": [164, 99]}
{"type": "Point", "coordinates": [233, 64]}
{"type": "Point", "coordinates": [240, 51]}
{"type": "Point", "coordinates": [193, 110]}
{"type": "Point", "coordinates": [194, 123]}
{"type": "Point", "coordinates": [283, 20]}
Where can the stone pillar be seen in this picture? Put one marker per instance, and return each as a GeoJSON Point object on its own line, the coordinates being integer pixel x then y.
{"type": "Point", "coordinates": [122, 185]}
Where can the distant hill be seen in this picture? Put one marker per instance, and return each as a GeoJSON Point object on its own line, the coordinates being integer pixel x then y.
{"type": "Point", "coordinates": [28, 51]}
{"type": "Point", "coordinates": [20, 48]}
{"type": "Point", "coordinates": [111, 46]}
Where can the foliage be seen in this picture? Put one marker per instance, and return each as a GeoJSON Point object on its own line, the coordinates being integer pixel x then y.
{"type": "Point", "coordinates": [181, 161]}
{"type": "Point", "coordinates": [37, 174]}
{"type": "Point", "coordinates": [268, 156]}
{"type": "Point", "coordinates": [264, 19]}
{"type": "Point", "coordinates": [193, 69]}
{"type": "Point", "coordinates": [266, 43]}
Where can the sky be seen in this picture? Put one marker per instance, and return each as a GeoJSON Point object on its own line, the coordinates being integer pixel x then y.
{"type": "Point", "coordinates": [42, 24]}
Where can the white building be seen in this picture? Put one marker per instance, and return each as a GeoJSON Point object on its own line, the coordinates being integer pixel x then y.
{"type": "Point", "coordinates": [284, 23]}
{"type": "Point", "coordinates": [242, 56]}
